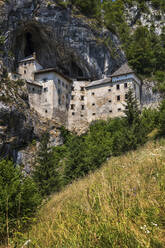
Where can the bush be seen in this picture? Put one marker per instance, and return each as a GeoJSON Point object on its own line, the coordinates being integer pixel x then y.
{"type": "Point", "coordinates": [19, 199]}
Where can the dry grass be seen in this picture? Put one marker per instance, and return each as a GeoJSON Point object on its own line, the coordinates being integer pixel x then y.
{"type": "Point", "coordinates": [121, 205]}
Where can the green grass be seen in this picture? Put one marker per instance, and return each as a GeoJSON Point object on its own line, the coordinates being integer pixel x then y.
{"type": "Point", "coordinates": [120, 205]}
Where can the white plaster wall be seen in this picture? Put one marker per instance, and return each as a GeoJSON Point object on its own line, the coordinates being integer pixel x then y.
{"type": "Point", "coordinates": [56, 99]}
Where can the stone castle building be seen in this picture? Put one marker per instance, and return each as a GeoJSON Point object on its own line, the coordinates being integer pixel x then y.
{"type": "Point", "coordinates": [73, 103]}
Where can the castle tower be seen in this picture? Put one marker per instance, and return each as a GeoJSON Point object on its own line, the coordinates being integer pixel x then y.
{"type": "Point", "coordinates": [28, 66]}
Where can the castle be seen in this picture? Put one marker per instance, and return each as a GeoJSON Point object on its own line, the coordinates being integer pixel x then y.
{"type": "Point", "coordinates": [73, 103]}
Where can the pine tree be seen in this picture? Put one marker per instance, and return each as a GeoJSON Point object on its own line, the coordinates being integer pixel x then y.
{"type": "Point", "coordinates": [46, 173]}
{"type": "Point", "coordinates": [131, 111]}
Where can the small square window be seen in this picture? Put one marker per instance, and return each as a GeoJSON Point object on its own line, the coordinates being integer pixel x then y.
{"type": "Point", "coordinates": [109, 90]}
{"type": "Point", "coordinates": [82, 115]}
{"type": "Point", "coordinates": [72, 88]}
{"type": "Point", "coordinates": [126, 96]}
{"type": "Point", "coordinates": [63, 84]}
{"type": "Point", "coordinates": [119, 109]}
{"type": "Point", "coordinates": [82, 88]}
{"type": "Point", "coordinates": [73, 113]}
{"type": "Point", "coordinates": [118, 87]}
{"type": "Point", "coordinates": [46, 111]}
{"type": "Point", "coordinates": [110, 111]}
{"type": "Point", "coordinates": [94, 114]}
{"type": "Point", "coordinates": [59, 82]}
{"type": "Point", "coordinates": [72, 97]}
{"type": "Point", "coordinates": [45, 89]}
{"type": "Point", "coordinates": [33, 89]}
{"type": "Point", "coordinates": [118, 98]}
{"type": "Point", "coordinates": [67, 106]}
{"type": "Point", "coordinates": [59, 101]}
{"type": "Point", "coordinates": [125, 85]}
{"type": "Point", "coordinates": [93, 104]}
{"type": "Point", "coordinates": [110, 101]}
{"type": "Point", "coordinates": [82, 107]}
{"type": "Point", "coordinates": [24, 71]}
{"type": "Point", "coordinates": [93, 93]}
{"type": "Point", "coordinates": [25, 63]}
{"type": "Point", "coordinates": [72, 106]}
{"type": "Point", "coordinates": [82, 98]}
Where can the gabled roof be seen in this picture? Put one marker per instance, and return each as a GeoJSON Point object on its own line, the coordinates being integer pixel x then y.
{"type": "Point", "coordinates": [124, 69]}
{"type": "Point", "coordinates": [53, 70]}
{"type": "Point", "coordinates": [27, 59]}
{"type": "Point", "coordinates": [35, 83]}
{"type": "Point", "coordinates": [99, 82]}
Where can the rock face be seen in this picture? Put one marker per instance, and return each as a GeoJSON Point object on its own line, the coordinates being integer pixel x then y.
{"type": "Point", "coordinates": [19, 125]}
{"type": "Point", "coordinates": [60, 38]}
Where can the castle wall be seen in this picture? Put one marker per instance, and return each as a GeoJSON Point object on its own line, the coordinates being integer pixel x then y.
{"type": "Point", "coordinates": [107, 100]}
{"type": "Point", "coordinates": [27, 69]}
{"type": "Point", "coordinates": [56, 96]}
{"type": "Point", "coordinates": [77, 114]}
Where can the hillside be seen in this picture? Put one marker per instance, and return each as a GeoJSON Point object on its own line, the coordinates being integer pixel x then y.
{"type": "Point", "coordinates": [120, 205]}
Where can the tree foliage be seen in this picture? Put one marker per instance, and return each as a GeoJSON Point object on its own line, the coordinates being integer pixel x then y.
{"type": "Point", "coordinates": [19, 199]}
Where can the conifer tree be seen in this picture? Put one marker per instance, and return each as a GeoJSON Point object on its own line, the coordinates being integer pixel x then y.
{"type": "Point", "coordinates": [45, 173]}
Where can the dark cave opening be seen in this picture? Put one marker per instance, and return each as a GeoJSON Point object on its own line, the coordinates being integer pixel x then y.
{"type": "Point", "coordinates": [75, 70]}
{"type": "Point", "coordinates": [29, 48]}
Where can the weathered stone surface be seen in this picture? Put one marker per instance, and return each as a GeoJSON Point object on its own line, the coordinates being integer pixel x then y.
{"type": "Point", "coordinates": [71, 44]}
{"type": "Point", "coordinates": [149, 98]}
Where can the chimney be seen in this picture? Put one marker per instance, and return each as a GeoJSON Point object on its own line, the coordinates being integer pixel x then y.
{"type": "Point", "coordinates": [34, 55]}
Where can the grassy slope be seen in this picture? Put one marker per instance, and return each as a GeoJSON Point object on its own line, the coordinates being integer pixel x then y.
{"type": "Point", "coordinates": [121, 205]}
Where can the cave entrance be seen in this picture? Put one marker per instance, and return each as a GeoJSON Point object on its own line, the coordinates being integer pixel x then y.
{"type": "Point", "coordinates": [75, 70]}
{"type": "Point", "coordinates": [29, 45]}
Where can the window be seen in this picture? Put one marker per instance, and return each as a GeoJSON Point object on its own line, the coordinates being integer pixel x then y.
{"type": "Point", "coordinates": [118, 87]}
{"type": "Point", "coordinates": [25, 63]}
{"type": "Point", "coordinates": [125, 85]}
{"type": "Point", "coordinates": [110, 101]}
{"type": "Point", "coordinates": [72, 97]}
{"type": "Point", "coordinates": [72, 88]}
{"type": "Point", "coordinates": [118, 98]}
{"type": "Point", "coordinates": [93, 93]}
{"type": "Point", "coordinates": [73, 113]}
{"type": "Point", "coordinates": [93, 104]}
{"type": "Point", "coordinates": [82, 115]}
{"type": "Point", "coordinates": [45, 89]}
{"type": "Point", "coordinates": [63, 84]}
{"type": "Point", "coordinates": [109, 90]}
{"type": "Point", "coordinates": [72, 106]}
{"type": "Point", "coordinates": [45, 100]}
{"type": "Point", "coordinates": [126, 96]}
{"type": "Point", "coordinates": [59, 100]}
{"type": "Point", "coordinates": [82, 98]}
{"type": "Point", "coordinates": [67, 106]}
{"type": "Point", "coordinates": [46, 111]}
{"type": "Point", "coordinates": [94, 114]}
{"type": "Point", "coordinates": [110, 111]}
{"type": "Point", "coordinates": [119, 109]}
{"type": "Point", "coordinates": [82, 107]}
{"type": "Point", "coordinates": [59, 82]}
{"type": "Point", "coordinates": [45, 79]}
{"type": "Point", "coordinates": [67, 96]}
{"type": "Point", "coordinates": [33, 89]}
{"type": "Point", "coordinates": [59, 91]}
{"type": "Point", "coordinates": [82, 88]}
{"type": "Point", "coordinates": [66, 86]}
{"type": "Point", "coordinates": [24, 71]}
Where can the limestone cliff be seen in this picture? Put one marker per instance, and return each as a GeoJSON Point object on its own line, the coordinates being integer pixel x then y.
{"type": "Point", "coordinates": [61, 38]}
{"type": "Point", "coordinates": [19, 125]}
